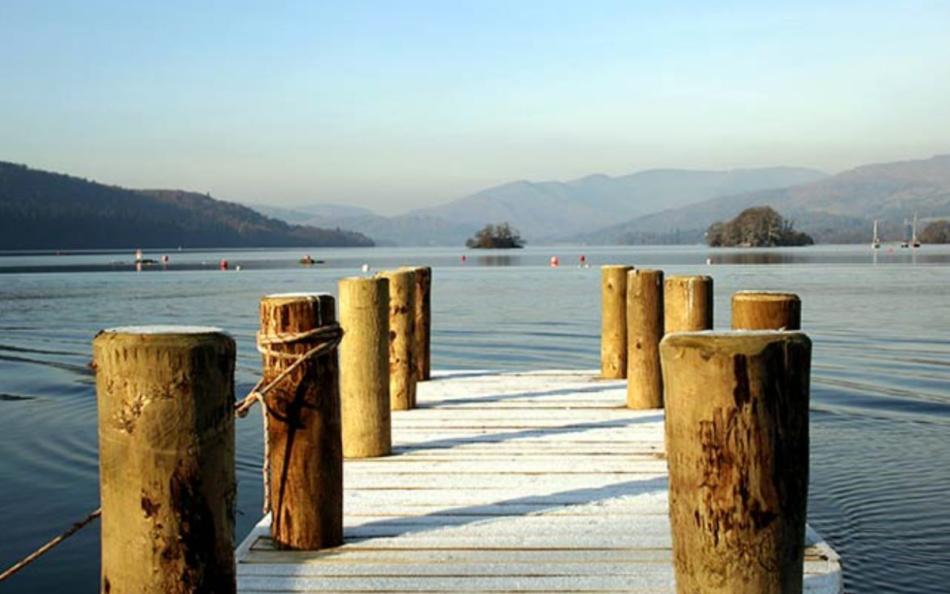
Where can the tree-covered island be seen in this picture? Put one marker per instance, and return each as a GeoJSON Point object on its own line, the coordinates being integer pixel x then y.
{"type": "Point", "coordinates": [759, 226]}
{"type": "Point", "coordinates": [501, 236]}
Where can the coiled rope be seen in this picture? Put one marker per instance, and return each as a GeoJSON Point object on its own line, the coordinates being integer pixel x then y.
{"type": "Point", "coordinates": [329, 336]}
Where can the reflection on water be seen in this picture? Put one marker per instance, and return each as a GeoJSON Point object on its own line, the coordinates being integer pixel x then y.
{"type": "Point", "coordinates": [880, 397]}
{"type": "Point", "coordinates": [376, 258]}
{"type": "Point", "coordinates": [498, 260]}
{"type": "Point", "coordinates": [843, 255]}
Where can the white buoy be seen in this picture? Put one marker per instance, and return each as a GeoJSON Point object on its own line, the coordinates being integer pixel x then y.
{"type": "Point", "coordinates": [365, 268]}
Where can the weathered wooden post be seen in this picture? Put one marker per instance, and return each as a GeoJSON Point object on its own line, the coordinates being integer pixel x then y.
{"type": "Point", "coordinates": [613, 321]}
{"type": "Point", "coordinates": [688, 304]}
{"type": "Point", "coordinates": [766, 310]}
{"type": "Point", "coordinates": [644, 332]}
{"type": "Point", "coordinates": [166, 459]}
{"type": "Point", "coordinates": [304, 444]}
{"type": "Point", "coordinates": [402, 371]}
{"type": "Point", "coordinates": [737, 449]}
{"type": "Point", "coordinates": [364, 367]}
{"type": "Point", "coordinates": [422, 322]}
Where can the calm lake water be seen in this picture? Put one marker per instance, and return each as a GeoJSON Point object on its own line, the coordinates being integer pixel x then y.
{"type": "Point", "coordinates": [880, 482]}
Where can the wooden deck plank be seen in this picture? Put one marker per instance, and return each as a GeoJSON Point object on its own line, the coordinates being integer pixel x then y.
{"type": "Point", "coordinates": [526, 482]}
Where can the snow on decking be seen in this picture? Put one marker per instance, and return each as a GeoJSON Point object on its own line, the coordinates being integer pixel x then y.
{"type": "Point", "coordinates": [515, 482]}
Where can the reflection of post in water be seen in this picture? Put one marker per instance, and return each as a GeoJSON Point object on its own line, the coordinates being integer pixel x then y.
{"type": "Point", "coordinates": [499, 260]}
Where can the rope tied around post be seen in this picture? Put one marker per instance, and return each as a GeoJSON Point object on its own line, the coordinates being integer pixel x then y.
{"type": "Point", "coordinates": [331, 336]}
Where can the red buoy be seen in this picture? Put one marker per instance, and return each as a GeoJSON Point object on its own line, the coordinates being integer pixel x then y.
{"type": "Point", "coordinates": [555, 262]}
{"type": "Point", "coordinates": [223, 265]}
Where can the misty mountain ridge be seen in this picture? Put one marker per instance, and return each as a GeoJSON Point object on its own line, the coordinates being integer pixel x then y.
{"type": "Point", "coordinates": [551, 210]}
{"type": "Point", "coordinates": [839, 208]}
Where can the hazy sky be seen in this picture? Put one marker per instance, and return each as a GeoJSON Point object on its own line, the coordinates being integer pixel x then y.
{"type": "Point", "coordinates": [395, 105]}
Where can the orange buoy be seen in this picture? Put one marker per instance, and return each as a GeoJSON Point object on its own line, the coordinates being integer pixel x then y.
{"type": "Point", "coordinates": [555, 262]}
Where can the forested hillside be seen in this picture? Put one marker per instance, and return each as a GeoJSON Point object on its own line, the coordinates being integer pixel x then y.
{"type": "Point", "coordinates": [43, 210]}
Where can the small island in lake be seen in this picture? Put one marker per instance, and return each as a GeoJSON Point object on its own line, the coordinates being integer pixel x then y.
{"type": "Point", "coordinates": [936, 232]}
{"type": "Point", "coordinates": [501, 236]}
{"type": "Point", "coordinates": [759, 226]}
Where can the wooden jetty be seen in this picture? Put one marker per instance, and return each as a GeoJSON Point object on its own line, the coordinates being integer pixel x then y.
{"type": "Point", "coordinates": [504, 482]}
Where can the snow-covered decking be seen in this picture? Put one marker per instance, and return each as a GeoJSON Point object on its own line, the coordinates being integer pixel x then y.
{"type": "Point", "coordinates": [514, 482]}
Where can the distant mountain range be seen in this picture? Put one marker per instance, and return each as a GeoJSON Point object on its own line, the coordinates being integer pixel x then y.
{"type": "Point", "coordinates": [552, 211]}
{"type": "Point", "coordinates": [43, 210]}
{"type": "Point", "coordinates": [47, 210]}
{"type": "Point", "coordinates": [838, 209]}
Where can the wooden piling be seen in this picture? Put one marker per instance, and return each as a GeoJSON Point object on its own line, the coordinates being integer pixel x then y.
{"type": "Point", "coordinates": [687, 304]}
{"type": "Point", "coordinates": [402, 371]}
{"type": "Point", "coordinates": [422, 322]}
{"type": "Point", "coordinates": [364, 367]}
{"type": "Point", "coordinates": [644, 332]}
{"type": "Point", "coordinates": [766, 310]}
{"type": "Point", "coordinates": [166, 459]}
{"type": "Point", "coordinates": [613, 321]}
{"type": "Point", "coordinates": [305, 448]}
{"type": "Point", "coordinates": [737, 449]}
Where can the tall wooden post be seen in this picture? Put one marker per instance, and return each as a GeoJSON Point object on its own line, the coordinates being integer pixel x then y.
{"type": "Point", "coordinates": [402, 370]}
{"type": "Point", "coordinates": [766, 310]}
{"type": "Point", "coordinates": [644, 332]}
{"type": "Point", "coordinates": [166, 459]}
{"type": "Point", "coordinates": [613, 321]}
{"type": "Point", "coordinates": [422, 322]}
{"type": "Point", "coordinates": [688, 304]}
{"type": "Point", "coordinates": [364, 367]}
{"type": "Point", "coordinates": [304, 428]}
{"type": "Point", "coordinates": [737, 449]}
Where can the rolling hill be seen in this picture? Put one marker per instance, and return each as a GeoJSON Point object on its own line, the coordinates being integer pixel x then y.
{"type": "Point", "coordinates": [838, 208]}
{"type": "Point", "coordinates": [43, 210]}
{"type": "Point", "coordinates": [549, 211]}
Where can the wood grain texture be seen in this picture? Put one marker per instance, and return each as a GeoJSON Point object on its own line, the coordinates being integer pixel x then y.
{"type": "Point", "coordinates": [422, 322]}
{"type": "Point", "coordinates": [402, 369]}
{"type": "Point", "coordinates": [166, 461]}
{"type": "Point", "coordinates": [644, 332]}
{"type": "Point", "coordinates": [766, 310]}
{"type": "Point", "coordinates": [513, 482]}
{"type": "Point", "coordinates": [737, 446]}
{"type": "Point", "coordinates": [687, 304]}
{"type": "Point", "coordinates": [613, 321]}
{"type": "Point", "coordinates": [364, 367]}
{"type": "Point", "coordinates": [304, 436]}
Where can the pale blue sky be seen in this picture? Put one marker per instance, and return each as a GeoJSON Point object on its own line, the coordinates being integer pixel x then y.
{"type": "Point", "coordinates": [394, 105]}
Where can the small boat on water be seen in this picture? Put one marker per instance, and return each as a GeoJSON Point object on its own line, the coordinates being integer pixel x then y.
{"type": "Point", "coordinates": [141, 259]}
{"type": "Point", "coordinates": [309, 261]}
{"type": "Point", "coordinates": [914, 242]}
